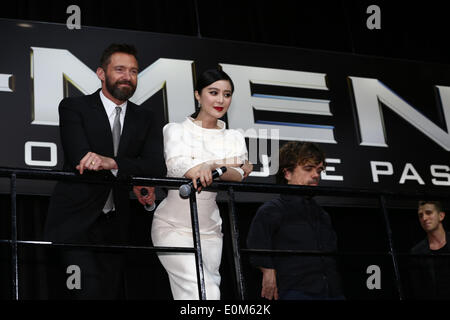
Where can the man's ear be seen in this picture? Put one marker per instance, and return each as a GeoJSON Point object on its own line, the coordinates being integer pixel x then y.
{"type": "Point", "coordinates": [441, 215]}
{"type": "Point", "coordinates": [287, 174]}
{"type": "Point", "coordinates": [100, 73]}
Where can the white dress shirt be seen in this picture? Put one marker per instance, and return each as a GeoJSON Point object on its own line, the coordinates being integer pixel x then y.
{"type": "Point", "coordinates": [110, 109]}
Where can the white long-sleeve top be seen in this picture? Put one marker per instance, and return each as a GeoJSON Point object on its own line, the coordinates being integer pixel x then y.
{"type": "Point", "coordinates": [186, 145]}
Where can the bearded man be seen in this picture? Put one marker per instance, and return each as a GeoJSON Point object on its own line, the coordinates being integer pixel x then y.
{"type": "Point", "coordinates": [102, 135]}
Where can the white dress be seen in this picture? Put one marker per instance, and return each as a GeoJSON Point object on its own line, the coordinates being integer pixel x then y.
{"type": "Point", "coordinates": [185, 146]}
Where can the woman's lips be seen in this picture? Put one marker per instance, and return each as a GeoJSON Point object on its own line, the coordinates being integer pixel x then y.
{"type": "Point", "coordinates": [218, 108]}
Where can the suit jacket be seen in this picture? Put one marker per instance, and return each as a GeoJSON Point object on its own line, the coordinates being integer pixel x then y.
{"type": "Point", "coordinates": [84, 127]}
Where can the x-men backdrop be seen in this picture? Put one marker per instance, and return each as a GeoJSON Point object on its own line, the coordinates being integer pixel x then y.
{"type": "Point", "coordinates": [383, 123]}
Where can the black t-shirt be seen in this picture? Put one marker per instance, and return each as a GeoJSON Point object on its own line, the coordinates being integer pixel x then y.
{"type": "Point", "coordinates": [430, 271]}
{"type": "Point", "coordinates": [442, 272]}
{"type": "Point", "coordinates": [291, 222]}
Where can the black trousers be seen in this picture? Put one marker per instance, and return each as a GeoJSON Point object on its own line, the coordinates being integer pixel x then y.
{"type": "Point", "coordinates": [90, 274]}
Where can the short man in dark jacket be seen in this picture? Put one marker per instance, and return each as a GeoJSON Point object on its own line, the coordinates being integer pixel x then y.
{"type": "Point", "coordinates": [430, 276]}
{"type": "Point", "coordinates": [295, 222]}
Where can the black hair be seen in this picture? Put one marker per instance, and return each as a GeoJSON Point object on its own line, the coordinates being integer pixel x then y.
{"type": "Point", "coordinates": [208, 77]}
{"type": "Point", "coordinates": [113, 48]}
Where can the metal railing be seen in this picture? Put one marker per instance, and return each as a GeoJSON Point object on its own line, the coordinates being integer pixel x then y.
{"type": "Point", "coordinates": [231, 188]}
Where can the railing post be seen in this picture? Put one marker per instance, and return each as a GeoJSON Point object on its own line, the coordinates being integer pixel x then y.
{"type": "Point", "coordinates": [197, 247]}
{"type": "Point", "coordinates": [391, 247]}
{"type": "Point", "coordinates": [235, 245]}
{"type": "Point", "coordinates": [14, 258]}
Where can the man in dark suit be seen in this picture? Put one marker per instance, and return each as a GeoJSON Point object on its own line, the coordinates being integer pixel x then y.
{"type": "Point", "coordinates": [102, 135]}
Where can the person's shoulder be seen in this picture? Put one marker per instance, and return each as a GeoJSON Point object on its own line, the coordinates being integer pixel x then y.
{"type": "Point", "coordinates": [140, 110]}
{"type": "Point", "coordinates": [80, 100]}
{"type": "Point", "coordinates": [420, 247]}
{"type": "Point", "coordinates": [173, 128]}
{"type": "Point", "coordinates": [271, 205]}
{"type": "Point", "coordinates": [271, 210]}
{"type": "Point", "coordinates": [234, 133]}
{"type": "Point", "coordinates": [76, 99]}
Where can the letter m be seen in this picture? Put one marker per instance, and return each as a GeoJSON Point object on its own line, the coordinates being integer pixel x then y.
{"type": "Point", "coordinates": [53, 69]}
{"type": "Point", "coordinates": [368, 94]}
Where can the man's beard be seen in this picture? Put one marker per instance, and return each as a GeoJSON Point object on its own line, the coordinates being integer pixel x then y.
{"type": "Point", "coordinates": [120, 93]}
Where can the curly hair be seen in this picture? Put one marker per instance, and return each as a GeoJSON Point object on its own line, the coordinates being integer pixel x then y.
{"type": "Point", "coordinates": [296, 153]}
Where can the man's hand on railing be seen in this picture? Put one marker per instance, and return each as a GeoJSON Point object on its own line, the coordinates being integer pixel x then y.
{"type": "Point", "coordinates": [96, 162]}
{"type": "Point", "coordinates": [149, 198]}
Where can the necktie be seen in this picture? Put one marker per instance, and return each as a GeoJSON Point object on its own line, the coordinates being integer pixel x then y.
{"type": "Point", "coordinates": [116, 139]}
{"type": "Point", "coordinates": [116, 130]}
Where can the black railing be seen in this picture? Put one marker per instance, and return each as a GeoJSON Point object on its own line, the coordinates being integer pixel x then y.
{"type": "Point", "coordinates": [15, 174]}
{"type": "Point", "coordinates": [231, 188]}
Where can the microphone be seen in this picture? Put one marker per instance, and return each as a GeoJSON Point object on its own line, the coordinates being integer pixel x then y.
{"type": "Point", "coordinates": [186, 189]}
{"type": "Point", "coordinates": [148, 207]}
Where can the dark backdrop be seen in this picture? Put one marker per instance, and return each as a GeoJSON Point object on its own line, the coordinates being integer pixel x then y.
{"type": "Point", "coordinates": [409, 30]}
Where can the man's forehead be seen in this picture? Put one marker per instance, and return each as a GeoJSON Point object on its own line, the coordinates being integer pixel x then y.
{"type": "Point", "coordinates": [123, 58]}
{"type": "Point", "coordinates": [427, 207]}
{"type": "Point", "coordinates": [312, 163]}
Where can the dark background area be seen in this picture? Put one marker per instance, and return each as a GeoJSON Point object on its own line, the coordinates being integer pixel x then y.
{"type": "Point", "coordinates": [409, 31]}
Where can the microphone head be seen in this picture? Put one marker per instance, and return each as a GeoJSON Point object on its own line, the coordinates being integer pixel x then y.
{"type": "Point", "coordinates": [185, 191]}
{"type": "Point", "coordinates": [223, 169]}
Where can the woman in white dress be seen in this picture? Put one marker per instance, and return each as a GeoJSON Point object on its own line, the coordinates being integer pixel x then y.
{"type": "Point", "coordinates": [192, 149]}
